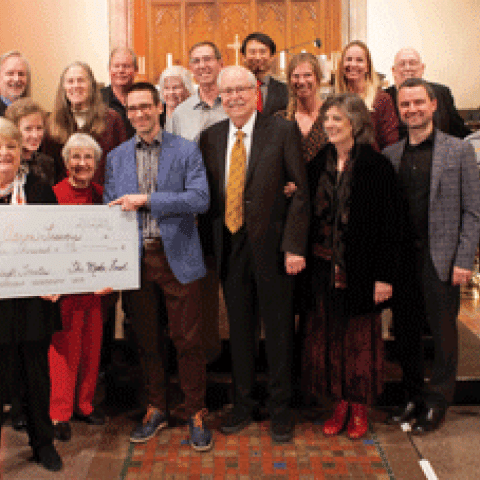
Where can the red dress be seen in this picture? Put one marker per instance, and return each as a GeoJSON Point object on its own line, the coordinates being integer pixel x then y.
{"type": "Point", "coordinates": [75, 351]}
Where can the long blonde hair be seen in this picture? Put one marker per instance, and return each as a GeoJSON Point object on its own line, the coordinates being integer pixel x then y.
{"type": "Point", "coordinates": [62, 122]}
{"type": "Point", "coordinates": [372, 80]}
{"type": "Point", "coordinates": [304, 57]}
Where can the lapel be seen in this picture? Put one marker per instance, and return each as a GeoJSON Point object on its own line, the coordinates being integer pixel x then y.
{"type": "Point", "coordinates": [165, 159]}
{"type": "Point", "coordinates": [258, 143]}
{"type": "Point", "coordinates": [222, 157]}
{"type": "Point", "coordinates": [397, 152]}
{"type": "Point", "coordinates": [129, 171]}
{"type": "Point", "coordinates": [440, 152]}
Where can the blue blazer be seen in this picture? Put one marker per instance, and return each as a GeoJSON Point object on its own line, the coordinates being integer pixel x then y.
{"type": "Point", "coordinates": [182, 192]}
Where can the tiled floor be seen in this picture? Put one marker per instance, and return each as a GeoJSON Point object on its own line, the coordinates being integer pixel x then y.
{"type": "Point", "coordinates": [104, 453]}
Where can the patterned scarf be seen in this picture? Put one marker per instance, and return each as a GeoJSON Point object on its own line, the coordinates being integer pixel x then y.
{"type": "Point", "coordinates": [16, 189]}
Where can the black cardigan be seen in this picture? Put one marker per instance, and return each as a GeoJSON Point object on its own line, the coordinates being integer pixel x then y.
{"type": "Point", "coordinates": [30, 319]}
{"type": "Point", "coordinates": [377, 237]}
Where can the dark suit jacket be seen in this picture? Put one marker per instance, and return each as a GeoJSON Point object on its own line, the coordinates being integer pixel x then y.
{"type": "Point", "coordinates": [446, 118]}
{"type": "Point", "coordinates": [454, 204]}
{"type": "Point", "coordinates": [274, 223]}
{"type": "Point", "coordinates": [30, 319]}
{"type": "Point", "coordinates": [3, 107]}
{"type": "Point", "coordinates": [376, 235]}
{"type": "Point", "coordinates": [277, 97]}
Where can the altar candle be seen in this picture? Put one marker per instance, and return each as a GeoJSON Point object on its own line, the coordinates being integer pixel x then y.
{"type": "Point", "coordinates": [282, 61]}
{"type": "Point", "coordinates": [169, 59]}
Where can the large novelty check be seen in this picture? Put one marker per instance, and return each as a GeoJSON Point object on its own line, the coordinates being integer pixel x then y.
{"type": "Point", "coordinates": [50, 249]}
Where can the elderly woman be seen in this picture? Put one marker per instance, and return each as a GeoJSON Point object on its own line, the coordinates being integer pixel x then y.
{"type": "Point", "coordinates": [30, 119]}
{"type": "Point", "coordinates": [356, 74]}
{"type": "Point", "coordinates": [27, 324]}
{"type": "Point", "coordinates": [175, 85]}
{"type": "Point", "coordinates": [75, 351]}
{"type": "Point", "coordinates": [355, 239]}
{"type": "Point", "coordinates": [79, 107]}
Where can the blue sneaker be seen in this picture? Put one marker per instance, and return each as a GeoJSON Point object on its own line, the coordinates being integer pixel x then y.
{"type": "Point", "coordinates": [200, 436]}
{"type": "Point", "coordinates": [153, 421]}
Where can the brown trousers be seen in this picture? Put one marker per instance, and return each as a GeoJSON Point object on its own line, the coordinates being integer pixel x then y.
{"type": "Point", "coordinates": [147, 309]}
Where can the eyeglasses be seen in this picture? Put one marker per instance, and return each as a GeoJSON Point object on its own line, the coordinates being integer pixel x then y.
{"type": "Point", "coordinates": [206, 59]}
{"type": "Point", "coordinates": [143, 107]}
{"type": "Point", "coordinates": [407, 63]}
{"type": "Point", "coordinates": [240, 90]}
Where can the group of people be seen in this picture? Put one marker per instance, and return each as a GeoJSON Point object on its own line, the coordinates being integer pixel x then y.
{"type": "Point", "coordinates": [332, 209]}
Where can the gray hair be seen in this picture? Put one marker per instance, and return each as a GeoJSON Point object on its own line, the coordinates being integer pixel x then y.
{"type": "Point", "coordinates": [16, 53]}
{"type": "Point", "coordinates": [176, 71]}
{"type": "Point", "coordinates": [232, 68]}
{"type": "Point", "coordinates": [9, 131]}
{"type": "Point", "coordinates": [418, 82]}
{"type": "Point", "coordinates": [81, 140]}
{"type": "Point", "coordinates": [124, 49]}
{"type": "Point", "coordinates": [356, 111]}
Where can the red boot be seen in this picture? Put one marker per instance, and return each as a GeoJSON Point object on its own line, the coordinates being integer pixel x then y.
{"type": "Point", "coordinates": [358, 424]}
{"type": "Point", "coordinates": [336, 424]}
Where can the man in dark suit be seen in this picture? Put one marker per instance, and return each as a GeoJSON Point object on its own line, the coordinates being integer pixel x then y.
{"type": "Point", "coordinates": [122, 67]}
{"type": "Point", "coordinates": [258, 237]}
{"type": "Point", "coordinates": [14, 79]}
{"type": "Point", "coordinates": [408, 64]}
{"type": "Point", "coordinates": [439, 178]}
{"type": "Point", "coordinates": [162, 177]}
{"type": "Point", "coordinates": [258, 51]}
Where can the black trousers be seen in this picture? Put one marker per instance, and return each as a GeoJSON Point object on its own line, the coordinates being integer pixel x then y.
{"type": "Point", "coordinates": [437, 303]}
{"type": "Point", "coordinates": [32, 358]}
{"type": "Point", "coordinates": [248, 297]}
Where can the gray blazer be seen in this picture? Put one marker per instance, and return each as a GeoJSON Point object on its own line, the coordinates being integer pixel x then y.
{"type": "Point", "coordinates": [454, 210]}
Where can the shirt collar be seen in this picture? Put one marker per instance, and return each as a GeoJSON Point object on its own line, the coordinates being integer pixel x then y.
{"type": "Point", "coordinates": [427, 143]}
{"type": "Point", "coordinates": [141, 143]}
{"type": "Point", "coordinates": [266, 80]}
{"type": "Point", "coordinates": [6, 101]}
{"type": "Point", "coordinates": [247, 129]}
{"type": "Point", "coordinates": [202, 104]}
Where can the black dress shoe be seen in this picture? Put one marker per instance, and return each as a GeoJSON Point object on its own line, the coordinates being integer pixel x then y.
{"type": "Point", "coordinates": [235, 420]}
{"type": "Point", "coordinates": [404, 413]}
{"type": "Point", "coordinates": [282, 427]}
{"type": "Point", "coordinates": [48, 457]}
{"type": "Point", "coordinates": [62, 431]}
{"type": "Point", "coordinates": [429, 420]}
{"type": "Point", "coordinates": [97, 417]}
{"type": "Point", "coordinates": [19, 422]}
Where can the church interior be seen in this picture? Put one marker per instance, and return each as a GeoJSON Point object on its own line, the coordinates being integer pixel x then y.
{"type": "Point", "coordinates": [52, 34]}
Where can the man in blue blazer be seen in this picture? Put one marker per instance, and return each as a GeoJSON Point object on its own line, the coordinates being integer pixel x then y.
{"type": "Point", "coordinates": [439, 178]}
{"type": "Point", "coordinates": [162, 177]}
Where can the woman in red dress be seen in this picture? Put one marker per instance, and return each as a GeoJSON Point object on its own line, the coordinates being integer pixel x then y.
{"type": "Point", "coordinates": [75, 351]}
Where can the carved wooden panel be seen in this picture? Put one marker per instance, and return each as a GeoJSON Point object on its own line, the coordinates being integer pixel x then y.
{"type": "Point", "coordinates": [165, 18]}
{"type": "Point", "coordinates": [201, 22]}
{"type": "Point", "coordinates": [173, 26]}
{"type": "Point", "coordinates": [234, 20]}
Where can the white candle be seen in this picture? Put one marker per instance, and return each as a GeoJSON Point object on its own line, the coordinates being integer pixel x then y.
{"type": "Point", "coordinates": [282, 60]}
{"type": "Point", "coordinates": [169, 59]}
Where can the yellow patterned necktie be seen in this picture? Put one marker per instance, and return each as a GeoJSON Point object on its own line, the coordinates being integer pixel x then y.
{"type": "Point", "coordinates": [234, 217]}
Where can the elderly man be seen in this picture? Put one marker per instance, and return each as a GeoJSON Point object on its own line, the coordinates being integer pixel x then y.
{"type": "Point", "coordinates": [162, 176]}
{"type": "Point", "coordinates": [14, 79]}
{"type": "Point", "coordinates": [258, 51]}
{"type": "Point", "coordinates": [204, 107]}
{"type": "Point", "coordinates": [122, 68]}
{"type": "Point", "coordinates": [440, 182]}
{"type": "Point", "coordinates": [408, 64]}
{"type": "Point", "coordinates": [258, 237]}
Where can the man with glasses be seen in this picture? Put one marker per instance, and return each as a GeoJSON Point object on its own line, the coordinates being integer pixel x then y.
{"type": "Point", "coordinates": [258, 237]}
{"type": "Point", "coordinates": [408, 64]}
{"type": "Point", "coordinates": [162, 177]}
{"type": "Point", "coordinates": [204, 107]}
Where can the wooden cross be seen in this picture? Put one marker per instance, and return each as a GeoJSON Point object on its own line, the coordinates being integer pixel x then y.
{"type": "Point", "coordinates": [236, 46]}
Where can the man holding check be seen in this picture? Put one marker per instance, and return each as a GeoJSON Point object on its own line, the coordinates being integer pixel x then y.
{"type": "Point", "coordinates": [162, 177]}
